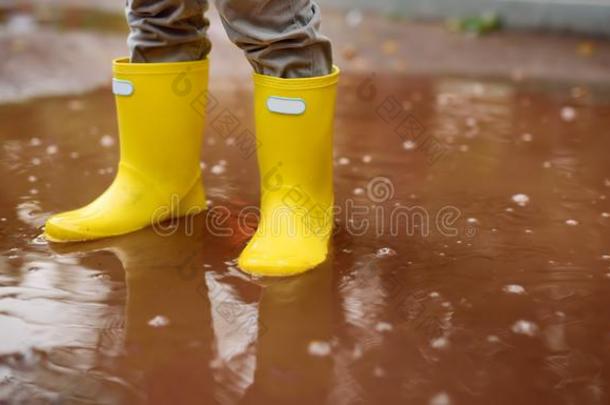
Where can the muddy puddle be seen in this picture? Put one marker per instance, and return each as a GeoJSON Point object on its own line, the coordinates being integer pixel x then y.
{"type": "Point", "coordinates": [470, 262]}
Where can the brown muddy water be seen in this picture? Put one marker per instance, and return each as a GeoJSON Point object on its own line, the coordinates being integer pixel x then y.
{"type": "Point", "coordinates": [470, 262]}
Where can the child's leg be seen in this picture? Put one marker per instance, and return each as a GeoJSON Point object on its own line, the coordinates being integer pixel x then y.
{"type": "Point", "coordinates": [167, 30]}
{"type": "Point", "coordinates": [279, 37]}
{"type": "Point", "coordinates": [161, 114]}
{"type": "Point", "coordinates": [294, 101]}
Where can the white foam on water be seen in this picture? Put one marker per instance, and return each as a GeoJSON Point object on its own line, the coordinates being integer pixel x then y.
{"type": "Point", "coordinates": [319, 348]}
{"type": "Point", "coordinates": [521, 199]}
{"type": "Point", "coordinates": [385, 251]}
{"type": "Point", "coordinates": [409, 145]}
{"type": "Point", "coordinates": [159, 321]}
{"type": "Point", "coordinates": [439, 343]}
{"type": "Point", "coordinates": [568, 114]}
{"type": "Point", "coordinates": [514, 289]}
{"type": "Point", "coordinates": [343, 161]}
{"type": "Point", "coordinates": [383, 327]}
{"type": "Point", "coordinates": [523, 327]}
{"type": "Point", "coordinates": [218, 169]}
{"type": "Point", "coordinates": [107, 141]}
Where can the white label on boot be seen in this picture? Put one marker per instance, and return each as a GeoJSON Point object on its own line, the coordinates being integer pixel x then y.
{"type": "Point", "coordinates": [283, 105]}
{"type": "Point", "coordinates": [122, 87]}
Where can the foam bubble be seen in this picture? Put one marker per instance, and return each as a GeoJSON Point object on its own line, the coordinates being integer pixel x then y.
{"type": "Point", "coordinates": [513, 289]}
{"type": "Point", "coordinates": [159, 321]}
{"type": "Point", "coordinates": [319, 348]}
{"type": "Point", "coordinates": [524, 327]}
{"type": "Point", "coordinates": [520, 199]}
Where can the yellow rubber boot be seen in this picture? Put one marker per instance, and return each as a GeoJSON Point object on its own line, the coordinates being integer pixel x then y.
{"type": "Point", "coordinates": [160, 109]}
{"type": "Point", "coordinates": [294, 127]}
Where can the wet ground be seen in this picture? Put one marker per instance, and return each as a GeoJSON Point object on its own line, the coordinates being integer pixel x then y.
{"type": "Point", "coordinates": [470, 262]}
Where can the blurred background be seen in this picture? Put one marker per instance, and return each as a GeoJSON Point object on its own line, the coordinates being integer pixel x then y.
{"type": "Point", "coordinates": [550, 39]}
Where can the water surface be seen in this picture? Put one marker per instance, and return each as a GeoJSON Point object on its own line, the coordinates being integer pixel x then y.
{"type": "Point", "coordinates": [470, 262]}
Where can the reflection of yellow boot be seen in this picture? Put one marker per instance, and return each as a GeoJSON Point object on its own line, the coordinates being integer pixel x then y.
{"type": "Point", "coordinates": [160, 126]}
{"type": "Point", "coordinates": [294, 126]}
